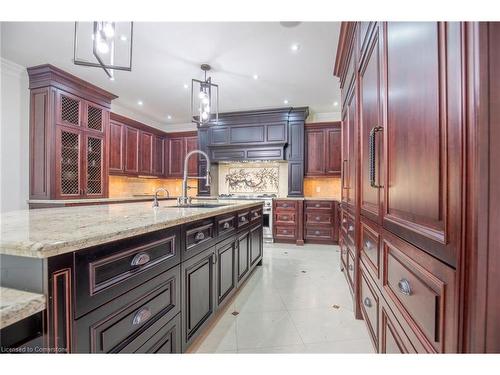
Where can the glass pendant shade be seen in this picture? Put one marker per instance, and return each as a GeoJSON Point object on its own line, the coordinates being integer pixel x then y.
{"type": "Point", "coordinates": [104, 44]}
{"type": "Point", "coordinates": [204, 100]}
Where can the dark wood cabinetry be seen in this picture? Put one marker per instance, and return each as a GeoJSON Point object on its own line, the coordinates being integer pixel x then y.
{"type": "Point", "coordinates": [136, 149]}
{"type": "Point", "coordinates": [404, 175]}
{"type": "Point", "coordinates": [69, 126]}
{"type": "Point", "coordinates": [323, 149]}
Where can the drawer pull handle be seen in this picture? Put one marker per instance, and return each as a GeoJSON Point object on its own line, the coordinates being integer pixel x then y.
{"type": "Point", "coordinates": [285, 205]}
{"type": "Point", "coordinates": [243, 219]}
{"type": "Point", "coordinates": [140, 259]}
{"type": "Point", "coordinates": [141, 316]}
{"type": "Point", "coordinates": [404, 287]}
{"type": "Point", "coordinates": [285, 217]}
{"type": "Point", "coordinates": [317, 205]}
{"type": "Point", "coordinates": [367, 302]}
{"type": "Point", "coordinates": [199, 236]}
{"type": "Point", "coordinates": [255, 214]}
{"type": "Point", "coordinates": [285, 231]}
{"type": "Point", "coordinates": [318, 218]}
{"type": "Point", "coordinates": [368, 245]}
{"type": "Point", "coordinates": [351, 268]}
{"type": "Point", "coordinates": [226, 225]}
{"type": "Point", "coordinates": [351, 228]}
{"type": "Point", "coordinates": [317, 232]}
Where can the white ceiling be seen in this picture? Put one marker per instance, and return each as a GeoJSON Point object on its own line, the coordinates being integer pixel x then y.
{"type": "Point", "coordinates": [167, 55]}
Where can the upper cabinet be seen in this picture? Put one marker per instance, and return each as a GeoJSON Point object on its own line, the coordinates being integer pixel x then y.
{"type": "Point", "coordinates": [179, 145]}
{"type": "Point", "coordinates": [323, 149]}
{"type": "Point", "coordinates": [69, 129]}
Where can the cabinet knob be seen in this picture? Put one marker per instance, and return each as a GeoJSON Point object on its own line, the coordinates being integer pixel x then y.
{"type": "Point", "coordinates": [367, 302]}
{"type": "Point", "coordinates": [199, 236]}
{"type": "Point", "coordinates": [318, 218]}
{"type": "Point", "coordinates": [351, 267]}
{"type": "Point", "coordinates": [285, 205]}
{"type": "Point", "coordinates": [351, 228]}
{"type": "Point", "coordinates": [285, 231]}
{"type": "Point", "coordinates": [141, 316]}
{"type": "Point", "coordinates": [243, 219]}
{"type": "Point", "coordinates": [317, 232]}
{"type": "Point", "coordinates": [344, 221]}
{"type": "Point", "coordinates": [285, 217]}
{"type": "Point", "coordinates": [226, 225]}
{"type": "Point", "coordinates": [317, 205]}
{"type": "Point", "coordinates": [404, 287]}
{"type": "Point", "coordinates": [368, 245]}
{"type": "Point", "coordinates": [140, 259]}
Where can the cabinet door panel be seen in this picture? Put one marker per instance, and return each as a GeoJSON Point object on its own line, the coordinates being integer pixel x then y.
{"type": "Point", "coordinates": [158, 158]}
{"type": "Point", "coordinates": [116, 147]}
{"type": "Point", "coordinates": [198, 277]}
{"type": "Point", "coordinates": [94, 167]}
{"type": "Point", "coordinates": [255, 244]}
{"type": "Point", "coordinates": [226, 271]}
{"type": "Point", "coordinates": [333, 158]}
{"type": "Point", "coordinates": [243, 256]}
{"type": "Point", "coordinates": [191, 144]}
{"type": "Point", "coordinates": [351, 162]}
{"type": "Point", "coordinates": [146, 153]}
{"type": "Point", "coordinates": [370, 117]}
{"type": "Point", "coordinates": [175, 156]}
{"type": "Point", "coordinates": [69, 110]}
{"type": "Point", "coordinates": [131, 150]}
{"type": "Point", "coordinates": [424, 136]}
{"type": "Point", "coordinates": [69, 162]}
{"type": "Point", "coordinates": [315, 158]}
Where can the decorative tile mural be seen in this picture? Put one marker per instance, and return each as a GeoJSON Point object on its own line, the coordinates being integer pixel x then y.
{"type": "Point", "coordinates": [253, 180]}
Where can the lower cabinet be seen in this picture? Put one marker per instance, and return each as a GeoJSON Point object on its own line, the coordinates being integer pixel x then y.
{"type": "Point", "coordinates": [243, 256]}
{"type": "Point", "coordinates": [256, 244]}
{"type": "Point", "coordinates": [199, 294]}
{"type": "Point", "coordinates": [226, 270]}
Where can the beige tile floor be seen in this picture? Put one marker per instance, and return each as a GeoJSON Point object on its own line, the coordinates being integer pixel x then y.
{"type": "Point", "coordinates": [287, 307]}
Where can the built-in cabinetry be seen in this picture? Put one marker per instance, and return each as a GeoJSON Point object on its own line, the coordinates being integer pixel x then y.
{"type": "Point", "coordinates": [69, 121]}
{"type": "Point", "coordinates": [402, 179]}
{"type": "Point", "coordinates": [152, 293]}
{"type": "Point", "coordinates": [298, 221]}
{"type": "Point", "coordinates": [136, 149]}
{"type": "Point", "coordinates": [323, 149]}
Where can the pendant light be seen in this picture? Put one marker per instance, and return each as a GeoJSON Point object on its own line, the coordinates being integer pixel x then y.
{"type": "Point", "coordinates": [204, 100]}
{"type": "Point", "coordinates": [104, 44]}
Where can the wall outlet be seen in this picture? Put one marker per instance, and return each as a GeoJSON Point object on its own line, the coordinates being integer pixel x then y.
{"type": "Point", "coordinates": [318, 189]}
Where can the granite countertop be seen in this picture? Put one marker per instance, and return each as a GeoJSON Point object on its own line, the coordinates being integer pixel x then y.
{"type": "Point", "coordinates": [309, 198]}
{"type": "Point", "coordinates": [47, 232]}
{"type": "Point", "coordinates": [135, 198]}
{"type": "Point", "coordinates": [15, 305]}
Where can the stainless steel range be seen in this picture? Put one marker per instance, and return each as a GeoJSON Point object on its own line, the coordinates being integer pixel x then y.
{"type": "Point", "coordinates": [267, 211]}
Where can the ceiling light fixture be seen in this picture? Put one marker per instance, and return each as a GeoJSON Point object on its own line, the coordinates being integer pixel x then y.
{"type": "Point", "coordinates": [186, 86]}
{"type": "Point", "coordinates": [140, 102]}
{"type": "Point", "coordinates": [285, 101]}
{"type": "Point", "coordinates": [295, 47]}
{"type": "Point", "coordinates": [335, 104]}
{"type": "Point", "coordinates": [104, 49]}
{"type": "Point", "coordinates": [204, 100]}
{"type": "Point", "coordinates": [255, 76]}
{"type": "Point", "coordinates": [169, 117]}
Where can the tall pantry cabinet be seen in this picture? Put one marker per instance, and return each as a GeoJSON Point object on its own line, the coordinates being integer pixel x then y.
{"type": "Point", "coordinates": [69, 121]}
{"type": "Point", "coordinates": [404, 179]}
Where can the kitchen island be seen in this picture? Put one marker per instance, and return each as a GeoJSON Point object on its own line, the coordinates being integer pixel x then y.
{"type": "Point", "coordinates": [127, 277]}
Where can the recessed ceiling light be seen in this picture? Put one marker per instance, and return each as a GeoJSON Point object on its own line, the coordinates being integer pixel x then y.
{"type": "Point", "coordinates": [295, 47]}
{"type": "Point", "coordinates": [140, 102]}
{"type": "Point", "coordinates": [111, 78]}
{"type": "Point", "coordinates": [169, 117]}
{"type": "Point", "coordinates": [186, 86]}
{"type": "Point", "coordinates": [335, 104]}
{"type": "Point", "coordinates": [285, 101]}
{"type": "Point", "coordinates": [255, 76]}
{"type": "Point", "coordinates": [123, 38]}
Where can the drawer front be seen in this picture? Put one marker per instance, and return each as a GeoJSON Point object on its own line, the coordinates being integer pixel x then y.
{"type": "Point", "coordinates": [284, 218]}
{"type": "Point", "coordinates": [319, 218]}
{"type": "Point", "coordinates": [392, 338]}
{"type": "Point", "coordinates": [162, 337]}
{"type": "Point", "coordinates": [285, 232]}
{"type": "Point", "coordinates": [369, 302]}
{"type": "Point", "coordinates": [115, 325]}
{"type": "Point", "coordinates": [198, 236]}
{"type": "Point", "coordinates": [107, 271]}
{"type": "Point", "coordinates": [420, 289]}
{"type": "Point", "coordinates": [226, 224]}
{"type": "Point", "coordinates": [319, 233]}
{"type": "Point", "coordinates": [370, 249]}
{"type": "Point", "coordinates": [319, 205]}
{"type": "Point", "coordinates": [243, 219]}
{"type": "Point", "coordinates": [285, 205]}
{"type": "Point", "coordinates": [256, 214]}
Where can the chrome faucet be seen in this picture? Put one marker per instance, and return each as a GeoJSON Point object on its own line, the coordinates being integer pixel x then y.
{"type": "Point", "coordinates": [184, 200]}
{"type": "Point", "coordinates": [155, 199]}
